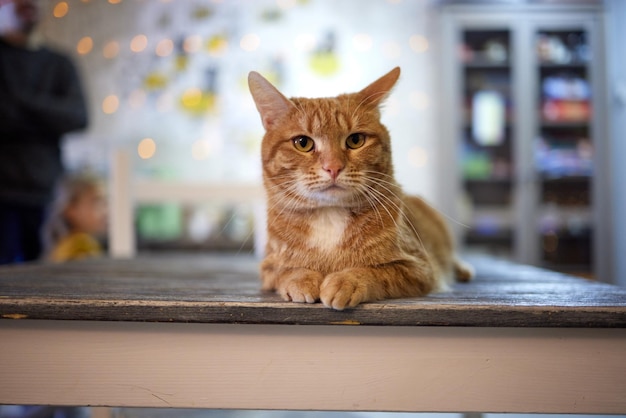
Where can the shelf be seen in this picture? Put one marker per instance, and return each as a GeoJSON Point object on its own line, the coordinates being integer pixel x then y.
{"type": "Point", "coordinates": [562, 213]}
{"type": "Point", "coordinates": [489, 192]}
{"type": "Point", "coordinates": [467, 124]}
{"type": "Point", "coordinates": [571, 113]}
{"type": "Point", "coordinates": [486, 65]}
{"type": "Point", "coordinates": [563, 65]}
{"type": "Point", "coordinates": [566, 248]}
{"type": "Point", "coordinates": [488, 182]}
{"type": "Point", "coordinates": [498, 244]}
{"type": "Point", "coordinates": [566, 191]}
{"type": "Point", "coordinates": [577, 124]}
{"type": "Point", "coordinates": [574, 253]}
{"type": "Point", "coordinates": [566, 180]}
{"type": "Point", "coordinates": [496, 241]}
{"type": "Point", "coordinates": [578, 67]}
{"type": "Point", "coordinates": [501, 237]}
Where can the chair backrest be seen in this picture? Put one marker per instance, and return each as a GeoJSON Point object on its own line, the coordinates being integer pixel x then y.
{"type": "Point", "coordinates": [125, 193]}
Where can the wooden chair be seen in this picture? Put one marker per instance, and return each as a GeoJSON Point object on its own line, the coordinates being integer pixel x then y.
{"type": "Point", "coordinates": [125, 192]}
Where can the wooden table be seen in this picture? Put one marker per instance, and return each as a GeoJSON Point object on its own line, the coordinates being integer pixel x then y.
{"type": "Point", "coordinates": [196, 331]}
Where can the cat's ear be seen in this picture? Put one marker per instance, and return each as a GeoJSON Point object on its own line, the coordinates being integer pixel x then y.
{"type": "Point", "coordinates": [376, 92]}
{"type": "Point", "coordinates": [270, 103]}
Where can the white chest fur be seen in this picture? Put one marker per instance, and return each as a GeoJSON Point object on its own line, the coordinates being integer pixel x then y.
{"type": "Point", "coordinates": [327, 228]}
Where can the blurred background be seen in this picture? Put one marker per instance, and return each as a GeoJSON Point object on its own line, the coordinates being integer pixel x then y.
{"type": "Point", "coordinates": [509, 115]}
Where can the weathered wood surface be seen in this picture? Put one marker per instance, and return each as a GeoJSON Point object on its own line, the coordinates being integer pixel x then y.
{"type": "Point", "coordinates": [225, 289]}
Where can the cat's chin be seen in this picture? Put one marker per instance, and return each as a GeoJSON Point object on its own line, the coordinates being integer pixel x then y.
{"type": "Point", "coordinates": [332, 196]}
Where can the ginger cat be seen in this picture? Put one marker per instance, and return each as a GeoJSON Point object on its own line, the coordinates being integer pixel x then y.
{"type": "Point", "coordinates": [340, 229]}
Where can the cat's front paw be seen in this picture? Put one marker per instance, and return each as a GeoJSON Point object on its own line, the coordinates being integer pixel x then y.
{"type": "Point", "coordinates": [343, 290]}
{"type": "Point", "coordinates": [301, 286]}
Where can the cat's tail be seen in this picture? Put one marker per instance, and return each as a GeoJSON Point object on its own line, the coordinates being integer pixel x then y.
{"type": "Point", "coordinates": [463, 271]}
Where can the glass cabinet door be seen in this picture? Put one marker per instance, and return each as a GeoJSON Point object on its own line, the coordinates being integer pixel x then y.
{"type": "Point", "coordinates": [526, 89]}
{"type": "Point", "coordinates": [486, 142]}
{"type": "Point", "coordinates": [564, 149]}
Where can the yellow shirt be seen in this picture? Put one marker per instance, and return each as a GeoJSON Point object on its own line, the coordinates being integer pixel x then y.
{"type": "Point", "coordinates": [75, 246]}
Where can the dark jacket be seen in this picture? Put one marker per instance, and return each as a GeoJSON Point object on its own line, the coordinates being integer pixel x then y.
{"type": "Point", "coordinates": [40, 100]}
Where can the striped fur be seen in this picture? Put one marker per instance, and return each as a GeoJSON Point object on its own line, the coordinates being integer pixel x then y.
{"type": "Point", "coordinates": [340, 229]}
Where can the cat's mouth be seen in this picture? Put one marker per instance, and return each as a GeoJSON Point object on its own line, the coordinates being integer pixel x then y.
{"type": "Point", "coordinates": [333, 188]}
{"type": "Point", "coordinates": [333, 193]}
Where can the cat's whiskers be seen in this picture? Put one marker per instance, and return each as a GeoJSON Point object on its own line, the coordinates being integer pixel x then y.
{"type": "Point", "coordinates": [246, 239]}
{"type": "Point", "coordinates": [286, 199]}
{"type": "Point", "coordinates": [383, 200]}
{"type": "Point", "coordinates": [252, 230]}
{"type": "Point", "coordinates": [451, 219]}
{"type": "Point", "coordinates": [374, 204]}
{"type": "Point", "coordinates": [287, 202]}
{"type": "Point", "coordinates": [353, 181]}
{"type": "Point", "coordinates": [397, 207]}
{"type": "Point", "coordinates": [380, 176]}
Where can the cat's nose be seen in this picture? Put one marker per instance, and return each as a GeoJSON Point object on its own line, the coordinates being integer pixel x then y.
{"type": "Point", "coordinates": [333, 170]}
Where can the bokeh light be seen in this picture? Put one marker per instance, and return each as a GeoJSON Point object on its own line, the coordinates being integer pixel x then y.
{"type": "Point", "coordinates": [61, 9]}
{"type": "Point", "coordinates": [418, 43]}
{"type": "Point", "coordinates": [146, 148]}
{"type": "Point", "coordinates": [164, 47]}
{"type": "Point", "coordinates": [192, 97]}
{"type": "Point", "coordinates": [139, 43]}
{"type": "Point", "coordinates": [217, 45]}
{"type": "Point", "coordinates": [85, 45]}
{"type": "Point", "coordinates": [200, 150]}
{"type": "Point", "coordinates": [110, 104]}
{"type": "Point", "coordinates": [111, 49]}
{"type": "Point", "coordinates": [286, 4]}
{"type": "Point", "coordinates": [192, 44]}
{"type": "Point", "coordinates": [250, 42]}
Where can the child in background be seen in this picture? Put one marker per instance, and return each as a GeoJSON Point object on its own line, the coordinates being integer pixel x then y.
{"type": "Point", "coordinates": [77, 218]}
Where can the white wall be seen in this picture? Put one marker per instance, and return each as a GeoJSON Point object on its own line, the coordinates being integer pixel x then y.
{"type": "Point", "coordinates": [371, 37]}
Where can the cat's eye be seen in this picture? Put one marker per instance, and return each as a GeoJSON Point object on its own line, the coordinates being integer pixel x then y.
{"type": "Point", "coordinates": [303, 143]}
{"type": "Point", "coordinates": [355, 141]}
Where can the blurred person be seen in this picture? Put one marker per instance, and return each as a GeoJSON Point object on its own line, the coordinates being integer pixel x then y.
{"type": "Point", "coordinates": [40, 100]}
{"type": "Point", "coordinates": [78, 218]}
